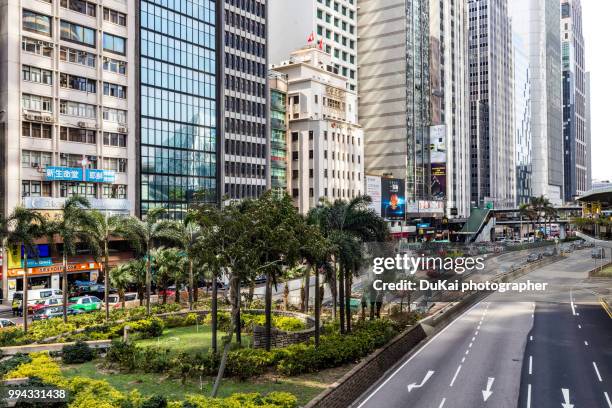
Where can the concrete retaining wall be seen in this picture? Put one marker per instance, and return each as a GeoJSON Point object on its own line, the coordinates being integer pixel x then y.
{"type": "Point", "coordinates": [33, 348]}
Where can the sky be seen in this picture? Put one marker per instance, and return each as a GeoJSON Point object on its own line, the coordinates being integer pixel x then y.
{"type": "Point", "coordinates": [598, 59]}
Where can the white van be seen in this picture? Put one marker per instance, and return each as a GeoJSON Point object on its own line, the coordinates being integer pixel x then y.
{"type": "Point", "coordinates": [39, 294]}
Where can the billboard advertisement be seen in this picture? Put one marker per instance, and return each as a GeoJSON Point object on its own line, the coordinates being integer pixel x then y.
{"type": "Point", "coordinates": [438, 149]}
{"type": "Point", "coordinates": [393, 197]}
{"type": "Point", "coordinates": [373, 189]}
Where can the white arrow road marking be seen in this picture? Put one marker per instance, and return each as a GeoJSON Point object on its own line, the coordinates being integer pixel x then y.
{"type": "Point", "coordinates": [608, 400]}
{"type": "Point", "coordinates": [597, 372]}
{"type": "Point", "coordinates": [455, 376]}
{"type": "Point", "coordinates": [566, 398]}
{"type": "Point", "coordinates": [415, 385]}
{"type": "Point", "coordinates": [487, 393]}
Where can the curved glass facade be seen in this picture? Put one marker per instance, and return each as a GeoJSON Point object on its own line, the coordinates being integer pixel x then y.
{"type": "Point", "coordinates": [178, 107]}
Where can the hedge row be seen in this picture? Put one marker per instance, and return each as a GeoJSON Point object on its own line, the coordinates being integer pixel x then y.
{"type": "Point", "coordinates": [86, 393]}
{"type": "Point", "coordinates": [334, 350]}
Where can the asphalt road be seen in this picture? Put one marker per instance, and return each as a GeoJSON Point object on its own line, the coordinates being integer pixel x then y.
{"type": "Point", "coordinates": [514, 350]}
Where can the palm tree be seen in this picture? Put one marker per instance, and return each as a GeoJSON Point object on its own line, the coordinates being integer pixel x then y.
{"type": "Point", "coordinates": [348, 224]}
{"type": "Point", "coordinates": [145, 233]}
{"type": "Point", "coordinates": [100, 230]}
{"type": "Point", "coordinates": [188, 231]}
{"type": "Point", "coordinates": [122, 276]}
{"type": "Point", "coordinates": [72, 229]}
{"type": "Point", "coordinates": [20, 230]}
{"type": "Point", "coordinates": [170, 266]}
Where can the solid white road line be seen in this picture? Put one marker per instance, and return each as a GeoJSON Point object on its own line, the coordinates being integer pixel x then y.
{"type": "Point", "coordinates": [416, 354]}
{"type": "Point", "coordinates": [442, 402]}
{"type": "Point", "coordinates": [608, 400]}
{"type": "Point", "coordinates": [530, 365]}
{"type": "Point", "coordinates": [597, 372]}
{"type": "Point", "coordinates": [455, 376]}
{"type": "Point", "coordinates": [528, 395]}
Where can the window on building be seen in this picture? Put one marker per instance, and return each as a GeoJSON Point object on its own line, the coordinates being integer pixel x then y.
{"type": "Point", "coordinates": [39, 75]}
{"type": "Point", "coordinates": [77, 83]}
{"type": "Point", "coordinates": [71, 160]}
{"type": "Point", "coordinates": [78, 135]}
{"type": "Point", "coordinates": [36, 159]}
{"type": "Point", "coordinates": [80, 6]}
{"type": "Point", "coordinates": [113, 43]}
{"type": "Point", "coordinates": [114, 191]}
{"type": "Point", "coordinates": [113, 65]}
{"type": "Point", "coordinates": [35, 22]}
{"type": "Point", "coordinates": [118, 165]}
{"type": "Point", "coordinates": [38, 47]}
{"type": "Point", "coordinates": [31, 188]}
{"type": "Point", "coordinates": [115, 139]}
{"type": "Point", "coordinates": [114, 17]}
{"type": "Point", "coordinates": [36, 103]}
{"type": "Point", "coordinates": [77, 56]}
{"type": "Point", "coordinates": [114, 115]}
{"type": "Point", "coordinates": [77, 33]}
{"type": "Point", "coordinates": [69, 189]}
{"type": "Point", "coordinates": [115, 90]}
{"type": "Point", "coordinates": [37, 130]}
{"type": "Point", "coordinates": [82, 110]}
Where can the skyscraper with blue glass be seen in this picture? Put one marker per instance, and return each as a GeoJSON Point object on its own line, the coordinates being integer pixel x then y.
{"type": "Point", "coordinates": [177, 111]}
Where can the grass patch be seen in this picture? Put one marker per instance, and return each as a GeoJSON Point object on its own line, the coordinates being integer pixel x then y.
{"type": "Point", "coordinates": [189, 339]}
{"type": "Point", "coordinates": [605, 273]}
{"type": "Point", "coordinates": [304, 387]}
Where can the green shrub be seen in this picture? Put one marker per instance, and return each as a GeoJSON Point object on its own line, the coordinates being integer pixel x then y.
{"type": "Point", "coordinates": [156, 401]}
{"type": "Point", "coordinates": [153, 359]}
{"type": "Point", "coordinates": [11, 336]}
{"type": "Point", "coordinates": [247, 363]}
{"type": "Point", "coordinates": [252, 400]}
{"type": "Point", "coordinates": [122, 354]}
{"type": "Point", "coordinates": [13, 362]}
{"type": "Point", "coordinates": [288, 323]}
{"type": "Point", "coordinates": [77, 353]}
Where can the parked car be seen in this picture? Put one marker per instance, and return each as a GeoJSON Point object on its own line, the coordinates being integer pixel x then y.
{"type": "Point", "coordinates": [598, 253]}
{"type": "Point", "coordinates": [38, 294]}
{"type": "Point", "coordinates": [534, 257]}
{"type": "Point", "coordinates": [6, 323]}
{"type": "Point", "coordinates": [549, 252]}
{"type": "Point", "coordinates": [53, 311]}
{"type": "Point", "coordinates": [131, 300]}
{"type": "Point", "coordinates": [42, 303]}
{"type": "Point", "coordinates": [85, 303]}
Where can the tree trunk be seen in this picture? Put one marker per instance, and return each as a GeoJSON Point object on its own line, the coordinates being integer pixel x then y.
{"type": "Point", "coordinates": [237, 306]}
{"type": "Point", "coordinates": [192, 286]}
{"type": "Point", "coordinates": [317, 308]}
{"type": "Point", "coordinates": [341, 299]}
{"type": "Point", "coordinates": [106, 280]}
{"type": "Point", "coordinates": [165, 295]}
{"type": "Point", "coordinates": [251, 293]}
{"type": "Point", "coordinates": [347, 279]}
{"type": "Point", "coordinates": [122, 296]}
{"type": "Point", "coordinates": [65, 285]}
{"type": "Point", "coordinates": [307, 289]}
{"type": "Point", "coordinates": [213, 315]}
{"type": "Point", "coordinates": [195, 292]}
{"type": "Point", "coordinates": [268, 311]}
{"type": "Point", "coordinates": [148, 281]}
{"type": "Point", "coordinates": [228, 339]}
{"type": "Point", "coordinates": [177, 294]}
{"type": "Point", "coordinates": [25, 291]}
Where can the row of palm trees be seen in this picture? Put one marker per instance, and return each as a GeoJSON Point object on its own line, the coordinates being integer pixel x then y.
{"type": "Point", "coordinates": [539, 211]}
{"type": "Point", "coordinates": [240, 240]}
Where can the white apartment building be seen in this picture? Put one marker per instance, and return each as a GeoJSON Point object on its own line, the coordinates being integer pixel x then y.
{"type": "Point", "coordinates": [333, 22]}
{"type": "Point", "coordinates": [67, 106]}
{"type": "Point", "coordinates": [325, 150]}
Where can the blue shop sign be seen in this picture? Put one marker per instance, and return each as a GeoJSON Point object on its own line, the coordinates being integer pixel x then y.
{"type": "Point", "coordinates": [99, 176]}
{"type": "Point", "coordinates": [64, 173]}
{"type": "Point", "coordinates": [35, 263]}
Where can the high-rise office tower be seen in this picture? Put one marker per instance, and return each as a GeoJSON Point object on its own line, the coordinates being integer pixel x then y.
{"type": "Point", "coordinates": [67, 104]}
{"type": "Point", "coordinates": [575, 141]}
{"type": "Point", "coordinates": [394, 91]}
{"type": "Point", "coordinates": [177, 109]}
{"type": "Point", "coordinates": [326, 142]}
{"type": "Point", "coordinates": [522, 120]}
{"type": "Point", "coordinates": [277, 84]}
{"type": "Point", "coordinates": [588, 128]}
{"type": "Point", "coordinates": [450, 165]}
{"type": "Point", "coordinates": [330, 23]}
{"type": "Point", "coordinates": [491, 104]}
{"type": "Point", "coordinates": [538, 23]}
{"type": "Point", "coordinates": [245, 153]}
{"type": "Point", "coordinates": [67, 70]}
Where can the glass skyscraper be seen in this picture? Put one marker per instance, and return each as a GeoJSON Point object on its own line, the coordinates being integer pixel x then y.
{"type": "Point", "coordinates": [178, 103]}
